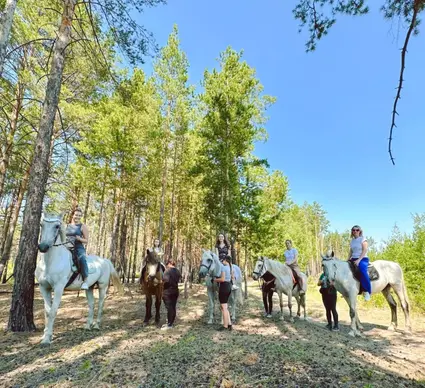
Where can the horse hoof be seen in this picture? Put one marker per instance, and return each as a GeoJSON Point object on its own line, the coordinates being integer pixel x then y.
{"type": "Point", "coordinates": [96, 327]}
{"type": "Point", "coordinates": [45, 342]}
{"type": "Point", "coordinates": [87, 327]}
{"type": "Point", "coordinates": [391, 328]}
{"type": "Point", "coordinates": [352, 334]}
{"type": "Point", "coordinates": [210, 322]}
{"type": "Point", "coordinates": [281, 318]}
{"type": "Point", "coordinates": [291, 320]}
{"type": "Point", "coordinates": [145, 324]}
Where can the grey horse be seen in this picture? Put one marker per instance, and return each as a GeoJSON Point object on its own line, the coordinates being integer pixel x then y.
{"type": "Point", "coordinates": [210, 267]}
{"type": "Point", "coordinates": [390, 277]}
{"type": "Point", "coordinates": [284, 283]}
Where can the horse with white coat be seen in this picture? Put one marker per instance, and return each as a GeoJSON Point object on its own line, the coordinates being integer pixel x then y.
{"type": "Point", "coordinates": [390, 277]}
{"type": "Point", "coordinates": [211, 267]}
{"type": "Point", "coordinates": [54, 269]}
{"type": "Point", "coordinates": [284, 283]}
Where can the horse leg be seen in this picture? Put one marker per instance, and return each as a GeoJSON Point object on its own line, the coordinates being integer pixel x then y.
{"type": "Point", "coordinates": [401, 292]}
{"type": "Point", "coordinates": [158, 300]}
{"type": "Point", "coordinates": [393, 306]}
{"type": "Point", "coordinates": [90, 301]}
{"type": "Point", "coordinates": [297, 298]}
{"type": "Point", "coordinates": [291, 318]}
{"type": "Point", "coordinates": [102, 297]}
{"type": "Point", "coordinates": [232, 306]}
{"type": "Point", "coordinates": [359, 325]}
{"type": "Point", "coordinates": [211, 295]}
{"type": "Point", "coordinates": [47, 338]}
{"type": "Point", "coordinates": [281, 304]}
{"type": "Point", "coordinates": [47, 296]}
{"type": "Point", "coordinates": [148, 313]}
{"type": "Point", "coordinates": [351, 301]}
{"type": "Point", "coordinates": [303, 304]}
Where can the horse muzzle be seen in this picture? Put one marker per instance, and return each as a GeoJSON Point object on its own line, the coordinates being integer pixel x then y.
{"type": "Point", "coordinates": [43, 247]}
{"type": "Point", "coordinates": [255, 276]}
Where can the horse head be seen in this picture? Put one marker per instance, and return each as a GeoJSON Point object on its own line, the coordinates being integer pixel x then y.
{"type": "Point", "coordinates": [51, 229]}
{"type": "Point", "coordinates": [259, 269]}
{"type": "Point", "coordinates": [152, 264]}
{"type": "Point", "coordinates": [329, 265]}
{"type": "Point", "coordinates": [209, 264]}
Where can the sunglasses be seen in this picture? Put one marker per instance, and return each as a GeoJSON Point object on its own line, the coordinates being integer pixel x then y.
{"type": "Point", "coordinates": [355, 230]}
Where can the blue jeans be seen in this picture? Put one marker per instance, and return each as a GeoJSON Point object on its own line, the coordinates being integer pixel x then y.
{"type": "Point", "coordinates": [81, 254]}
{"type": "Point", "coordinates": [364, 276]}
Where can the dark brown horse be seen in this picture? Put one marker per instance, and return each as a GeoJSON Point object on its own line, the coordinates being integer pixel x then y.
{"type": "Point", "coordinates": [151, 284]}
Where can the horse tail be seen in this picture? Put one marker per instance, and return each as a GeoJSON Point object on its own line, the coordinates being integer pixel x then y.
{"type": "Point", "coordinates": [116, 282]}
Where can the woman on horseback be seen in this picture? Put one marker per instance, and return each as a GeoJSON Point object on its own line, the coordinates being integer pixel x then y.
{"type": "Point", "coordinates": [78, 234]}
{"type": "Point", "coordinates": [358, 251]}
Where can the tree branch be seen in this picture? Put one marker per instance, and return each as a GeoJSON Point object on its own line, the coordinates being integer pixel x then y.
{"type": "Point", "coordinates": [411, 29]}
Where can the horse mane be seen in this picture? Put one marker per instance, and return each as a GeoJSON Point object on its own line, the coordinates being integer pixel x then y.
{"type": "Point", "coordinates": [276, 268]}
{"type": "Point", "coordinates": [217, 265]}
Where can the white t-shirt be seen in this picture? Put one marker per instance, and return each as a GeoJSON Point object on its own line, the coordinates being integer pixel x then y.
{"type": "Point", "coordinates": [356, 247]}
{"type": "Point", "coordinates": [290, 255]}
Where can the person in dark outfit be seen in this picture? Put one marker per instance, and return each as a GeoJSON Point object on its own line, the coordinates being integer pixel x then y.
{"type": "Point", "coordinates": [224, 292]}
{"type": "Point", "coordinates": [329, 297]}
{"type": "Point", "coordinates": [78, 234]}
{"type": "Point", "coordinates": [268, 288]}
{"type": "Point", "coordinates": [222, 247]}
{"type": "Point", "coordinates": [170, 294]}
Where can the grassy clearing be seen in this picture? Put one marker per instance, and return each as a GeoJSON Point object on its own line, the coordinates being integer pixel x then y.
{"type": "Point", "coordinates": [259, 352]}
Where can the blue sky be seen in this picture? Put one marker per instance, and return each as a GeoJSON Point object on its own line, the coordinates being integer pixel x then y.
{"type": "Point", "coordinates": [328, 130]}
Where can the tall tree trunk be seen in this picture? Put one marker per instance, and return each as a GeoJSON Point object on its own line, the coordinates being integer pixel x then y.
{"type": "Point", "coordinates": [123, 243]}
{"type": "Point", "coordinates": [21, 311]}
{"type": "Point", "coordinates": [14, 220]}
{"type": "Point", "coordinates": [6, 149]}
{"type": "Point", "coordinates": [8, 217]}
{"type": "Point", "coordinates": [173, 197]}
{"type": "Point", "coordinates": [100, 219]}
{"type": "Point", "coordinates": [245, 271]}
{"type": "Point", "coordinates": [6, 19]}
{"type": "Point", "coordinates": [115, 231]}
{"type": "Point", "coordinates": [86, 206]}
{"type": "Point", "coordinates": [163, 192]}
{"type": "Point", "coordinates": [136, 248]}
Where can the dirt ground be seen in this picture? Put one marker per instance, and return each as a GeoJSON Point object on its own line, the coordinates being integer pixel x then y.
{"type": "Point", "coordinates": [260, 352]}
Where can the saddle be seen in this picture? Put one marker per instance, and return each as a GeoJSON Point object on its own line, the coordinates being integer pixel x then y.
{"type": "Point", "coordinates": [371, 270]}
{"type": "Point", "coordinates": [294, 278]}
{"type": "Point", "coordinates": [76, 265]}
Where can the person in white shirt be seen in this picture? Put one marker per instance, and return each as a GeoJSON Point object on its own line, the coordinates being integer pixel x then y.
{"type": "Point", "coordinates": [358, 251]}
{"type": "Point", "coordinates": [291, 260]}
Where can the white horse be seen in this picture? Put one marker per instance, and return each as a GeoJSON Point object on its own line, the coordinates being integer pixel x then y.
{"type": "Point", "coordinates": [54, 269]}
{"type": "Point", "coordinates": [211, 267]}
{"type": "Point", "coordinates": [390, 276]}
{"type": "Point", "coordinates": [284, 283]}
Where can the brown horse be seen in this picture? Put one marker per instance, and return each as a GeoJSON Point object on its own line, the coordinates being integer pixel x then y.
{"type": "Point", "coordinates": [151, 284]}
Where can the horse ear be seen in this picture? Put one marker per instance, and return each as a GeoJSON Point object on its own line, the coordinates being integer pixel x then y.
{"type": "Point", "coordinates": [332, 254]}
{"type": "Point", "coordinates": [148, 251]}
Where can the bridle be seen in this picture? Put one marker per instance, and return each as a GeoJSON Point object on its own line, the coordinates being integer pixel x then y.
{"type": "Point", "coordinates": [58, 230]}
{"type": "Point", "coordinates": [327, 269]}
{"type": "Point", "coordinates": [208, 267]}
{"type": "Point", "coordinates": [263, 265]}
